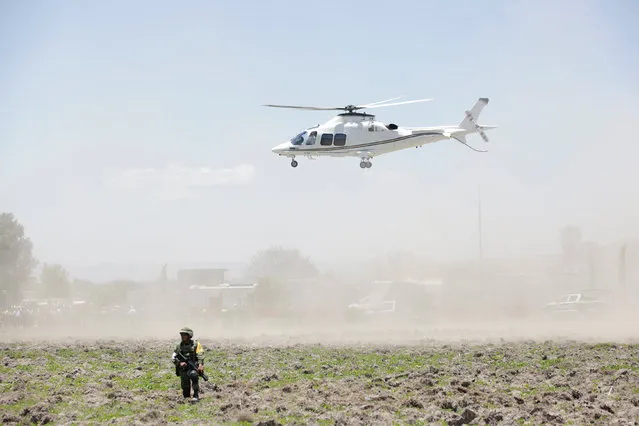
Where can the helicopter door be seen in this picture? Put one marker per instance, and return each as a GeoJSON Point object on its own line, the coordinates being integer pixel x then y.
{"type": "Point", "coordinates": [311, 138]}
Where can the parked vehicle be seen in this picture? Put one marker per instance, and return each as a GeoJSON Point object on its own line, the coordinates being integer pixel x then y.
{"type": "Point", "coordinates": [584, 304]}
{"type": "Point", "coordinates": [405, 299]}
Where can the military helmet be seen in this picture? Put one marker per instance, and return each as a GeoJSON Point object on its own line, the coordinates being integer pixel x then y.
{"type": "Point", "coordinates": [187, 330]}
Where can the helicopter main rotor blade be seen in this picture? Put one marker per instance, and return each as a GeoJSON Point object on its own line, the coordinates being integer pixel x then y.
{"type": "Point", "coordinates": [349, 108]}
{"type": "Point", "coordinates": [379, 102]}
{"type": "Point", "coordinates": [304, 107]}
{"type": "Point", "coordinates": [397, 103]}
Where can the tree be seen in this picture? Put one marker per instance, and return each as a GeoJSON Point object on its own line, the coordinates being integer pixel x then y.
{"type": "Point", "coordinates": [273, 267]}
{"type": "Point", "coordinates": [55, 281]}
{"type": "Point", "coordinates": [83, 289]}
{"type": "Point", "coordinates": [16, 259]}
{"type": "Point", "coordinates": [113, 292]}
{"type": "Point", "coordinates": [278, 263]}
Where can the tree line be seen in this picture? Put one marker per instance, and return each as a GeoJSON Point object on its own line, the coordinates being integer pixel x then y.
{"type": "Point", "coordinates": [18, 264]}
{"type": "Point", "coordinates": [272, 268]}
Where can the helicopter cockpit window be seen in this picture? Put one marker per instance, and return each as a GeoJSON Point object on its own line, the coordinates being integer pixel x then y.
{"type": "Point", "coordinates": [311, 138]}
{"type": "Point", "coordinates": [297, 140]}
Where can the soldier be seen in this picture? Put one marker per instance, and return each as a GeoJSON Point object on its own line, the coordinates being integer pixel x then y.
{"type": "Point", "coordinates": [191, 350]}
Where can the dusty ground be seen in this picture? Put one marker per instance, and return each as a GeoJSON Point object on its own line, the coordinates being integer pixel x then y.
{"type": "Point", "coordinates": [423, 381]}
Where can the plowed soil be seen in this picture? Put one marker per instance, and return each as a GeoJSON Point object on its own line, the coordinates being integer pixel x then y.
{"type": "Point", "coordinates": [425, 382]}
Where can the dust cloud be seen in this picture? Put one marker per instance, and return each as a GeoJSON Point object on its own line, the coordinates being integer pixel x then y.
{"type": "Point", "coordinates": [415, 302]}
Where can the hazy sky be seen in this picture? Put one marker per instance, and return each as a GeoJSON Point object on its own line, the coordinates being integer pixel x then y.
{"type": "Point", "coordinates": [133, 131]}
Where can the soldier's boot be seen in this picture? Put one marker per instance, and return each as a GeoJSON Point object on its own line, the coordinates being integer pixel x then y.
{"type": "Point", "coordinates": [196, 393]}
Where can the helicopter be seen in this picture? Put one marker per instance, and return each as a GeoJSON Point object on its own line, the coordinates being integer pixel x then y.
{"type": "Point", "coordinates": [359, 134]}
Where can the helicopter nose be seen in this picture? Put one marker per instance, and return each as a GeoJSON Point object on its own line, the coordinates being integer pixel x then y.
{"type": "Point", "coordinates": [280, 148]}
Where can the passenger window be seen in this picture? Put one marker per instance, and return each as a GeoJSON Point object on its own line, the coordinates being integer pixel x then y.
{"type": "Point", "coordinates": [311, 138]}
{"type": "Point", "coordinates": [340, 139]}
{"type": "Point", "coordinates": [327, 139]}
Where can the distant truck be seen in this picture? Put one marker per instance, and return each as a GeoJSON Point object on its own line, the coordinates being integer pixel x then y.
{"type": "Point", "coordinates": [392, 300]}
{"type": "Point", "coordinates": [585, 304]}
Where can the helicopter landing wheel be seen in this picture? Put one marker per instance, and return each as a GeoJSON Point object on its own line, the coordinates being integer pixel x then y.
{"type": "Point", "coordinates": [293, 163]}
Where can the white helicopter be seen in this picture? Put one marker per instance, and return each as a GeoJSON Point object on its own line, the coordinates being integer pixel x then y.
{"type": "Point", "coordinates": [358, 134]}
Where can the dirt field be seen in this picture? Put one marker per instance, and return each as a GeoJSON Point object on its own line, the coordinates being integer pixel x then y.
{"type": "Point", "coordinates": [414, 380]}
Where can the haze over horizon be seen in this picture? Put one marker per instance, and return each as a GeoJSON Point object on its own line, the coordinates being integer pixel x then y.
{"type": "Point", "coordinates": [133, 133]}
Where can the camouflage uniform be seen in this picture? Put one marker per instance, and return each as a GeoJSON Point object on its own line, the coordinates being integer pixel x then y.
{"type": "Point", "coordinates": [192, 350]}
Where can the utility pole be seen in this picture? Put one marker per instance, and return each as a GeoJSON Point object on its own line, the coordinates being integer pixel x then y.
{"type": "Point", "coordinates": [622, 266]}
{"type": "Point", "coordinates": [479, 224]}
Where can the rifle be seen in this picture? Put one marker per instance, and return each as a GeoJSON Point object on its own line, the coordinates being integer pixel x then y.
{"type": "Point", "coordinates": [192, 365]}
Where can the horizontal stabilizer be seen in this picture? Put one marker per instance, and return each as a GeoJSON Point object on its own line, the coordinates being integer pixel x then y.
{"type": "Point", "coordinates": [451, 132]}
